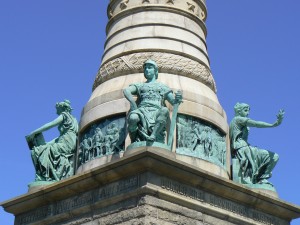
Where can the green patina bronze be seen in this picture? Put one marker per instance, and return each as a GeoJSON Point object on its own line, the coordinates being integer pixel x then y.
{"type": "Point", "coordinates": [148, 116]}
{"type": "Point", "coordinates": [107, 137]}
{"type": "Point", "coordinates": [54, 160]}
{"type": "Point", "coordinates": [251, 166]}
{"type": "Point", "coordinates": [200, 139]}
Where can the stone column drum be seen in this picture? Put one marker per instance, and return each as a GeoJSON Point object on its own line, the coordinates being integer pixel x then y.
{"type": "Point", "coordinates": [172, 33]}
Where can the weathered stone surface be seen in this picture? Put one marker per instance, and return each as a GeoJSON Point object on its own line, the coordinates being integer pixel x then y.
{"type": "Point", "coordinates": [168, 63]}
{"type": "Point", "coordinates": [197, 7]}
{"type": "Point", "coordinates": [140, 188]}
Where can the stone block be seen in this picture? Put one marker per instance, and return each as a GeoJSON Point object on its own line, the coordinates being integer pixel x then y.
{"type": "Point", "coordinates": [149, 188]}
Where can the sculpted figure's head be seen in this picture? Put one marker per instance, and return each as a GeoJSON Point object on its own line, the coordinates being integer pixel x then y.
{"type": "Point", "coordinates": [241, 109]}
{"type": "Point", "coordinates": [150, 69]}
{"type": "Point", "coordinates": [64, 106]}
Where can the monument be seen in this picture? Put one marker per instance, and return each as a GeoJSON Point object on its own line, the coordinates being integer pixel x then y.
{"type": "Point", "coordinates": [153, 144]}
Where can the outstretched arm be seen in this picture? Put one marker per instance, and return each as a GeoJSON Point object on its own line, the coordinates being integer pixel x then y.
{"type": "Point", "coordinates": [47, 126]}
{"type": "Point", "coordinates": [260, 124]}
{"type": "Point", "coordinates": [128, 92]}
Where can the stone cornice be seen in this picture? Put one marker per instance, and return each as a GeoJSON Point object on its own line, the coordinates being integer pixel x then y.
{"type": "Point", "coordinates": [155, 160]}
{"type": "Point", "coordinates": [157, 7]}
{"type": "Point", "coordinates": [187, 5]}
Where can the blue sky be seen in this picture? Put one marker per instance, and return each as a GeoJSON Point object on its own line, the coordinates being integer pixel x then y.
{"type": "Point", "coordinates": [51, 50]}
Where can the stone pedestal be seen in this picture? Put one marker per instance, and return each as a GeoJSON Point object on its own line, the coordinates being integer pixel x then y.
{"type": "Point", "coordinates": [149, 186]}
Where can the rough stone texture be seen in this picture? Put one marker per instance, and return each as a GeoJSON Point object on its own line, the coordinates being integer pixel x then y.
{"type": "Point", "coordinates": [148, 187]}
{"type": "Point", "coordinates": [149, 211]}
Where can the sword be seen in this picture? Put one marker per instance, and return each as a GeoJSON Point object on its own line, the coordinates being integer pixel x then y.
{"type": "Point", "coordinates": [173, 123]}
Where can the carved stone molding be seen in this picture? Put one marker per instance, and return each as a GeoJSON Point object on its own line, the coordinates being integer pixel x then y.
{"type": "Point", "coordinates": [195, 7]}
{"type": "Point", "coordinates": [167, 63]}
{"type": "Point", "coordinates": [191, 7]}
{"type": "Point", "coordinates": [123, 4]}
{"type": "Point", "coordinates": [170, 2]}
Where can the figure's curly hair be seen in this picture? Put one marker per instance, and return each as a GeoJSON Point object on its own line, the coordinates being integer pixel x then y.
{"type": "Point", "coordinates": [239, 107]}
{"type": "Point", "coordinates": [65, 105]}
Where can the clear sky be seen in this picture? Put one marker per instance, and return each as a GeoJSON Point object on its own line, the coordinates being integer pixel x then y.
{"type": "Point", "coordinates": [51, 50]}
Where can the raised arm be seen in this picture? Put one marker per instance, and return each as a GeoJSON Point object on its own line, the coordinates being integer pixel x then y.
{"type": "Point", "coordinates": [47, 126]}
{"type": "Point", "coordinates": [261, 124]}
{"type": "Point", "coordinates": [128, 93]}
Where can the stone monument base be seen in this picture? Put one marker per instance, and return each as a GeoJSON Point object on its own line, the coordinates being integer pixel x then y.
{"type": "Point", "coordinates": [148, 187]}
{"type": "Point", "coordinates": [37, 185]}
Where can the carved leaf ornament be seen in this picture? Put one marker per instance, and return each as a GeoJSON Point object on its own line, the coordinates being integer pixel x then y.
{"type": "Point", "coordinates": [168, 63]}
